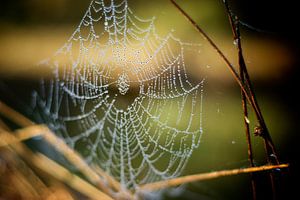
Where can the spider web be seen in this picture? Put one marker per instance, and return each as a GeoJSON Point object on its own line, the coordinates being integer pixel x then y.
{"type": "Point", "coordinates": [120, 95]}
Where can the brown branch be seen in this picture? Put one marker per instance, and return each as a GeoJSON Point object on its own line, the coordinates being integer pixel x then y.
{"type": "Point", "coordinates": [220, 53]}
{"type": "Point", "coordinates": [246, 79]}
{"type": "Point", "coordinates": [246, 88]}
{"type": "Point", "coordinates": [268, 143]}
{"type": "Point", "coordinates": [206, 176]}
{"type": "Point", "coordinates": [242, 66]}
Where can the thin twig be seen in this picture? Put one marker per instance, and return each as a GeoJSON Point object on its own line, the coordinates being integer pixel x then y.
{"type": "Point", "coordinates": [247, 80]}
{"type": "Point", "coordinates": [206, 176]}
{"type": "Point", "coordinates": [244, 82]}
{"type": "Point", "coordinates": [247, 88]}
{"type": "Point", "coordinates": [237, 40]}
{"type": "Point", "coordinates": [269, 146]}
{"type": "Point", "coordinates": [220, 53]}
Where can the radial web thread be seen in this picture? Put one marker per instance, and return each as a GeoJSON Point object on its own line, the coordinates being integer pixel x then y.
{"type": "Point", "coordinates": [114, 55]}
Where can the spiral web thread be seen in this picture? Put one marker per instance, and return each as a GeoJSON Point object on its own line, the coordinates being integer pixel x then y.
{"type": "Point", "coordinates": [111, 55]}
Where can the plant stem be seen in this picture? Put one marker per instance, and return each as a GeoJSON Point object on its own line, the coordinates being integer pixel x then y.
{"type": "Point", "coordinates": [206, 176]}
{"type": "Point", "coordinates": [57, 143]}
{"type": "Point", "coordinates": [211, 42]}
{"type": "Point", "coordinates": [50, 167]}
{"type": "Point", "coordinates": [268, 143]}
{"type": "Point", "coordinates": [220, 53]}
{"type": "Point", "coordinates": [237, 39]}
{"type": "Point", "coordinates": [244, 83]}
{"type": "Point", "coordinates": [246, 88]}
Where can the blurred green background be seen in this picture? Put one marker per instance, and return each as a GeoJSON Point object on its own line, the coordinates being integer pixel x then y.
{"type": "Point", "coordinates": [32, 30]}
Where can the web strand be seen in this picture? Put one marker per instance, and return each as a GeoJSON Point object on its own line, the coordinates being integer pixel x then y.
{"type": "Point", "coordinates": [112, 55]}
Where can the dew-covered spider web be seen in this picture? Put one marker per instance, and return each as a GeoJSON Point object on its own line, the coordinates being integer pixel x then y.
{"type": "Point", "coordinates": [120, 95]}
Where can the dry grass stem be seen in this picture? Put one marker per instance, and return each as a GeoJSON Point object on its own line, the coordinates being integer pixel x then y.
{"type": "Point", "coordinates": [52, 168]}
{"type": "Point", "coordinates": [242, 71]}
{"type": "Point", "coordinates": [14, 116]}
{"type": "Point", "coordinates": [205, 176]}
{"type": "Point", "coordinates": [219, 52]}
{"type": "Point", "coordinates": [24, 134]}
{"type": "Point", "coordinates": [65, 176]}
{"type": "Point", "coordinates": [113, 183]}
{"type": "Point", "coordinates": [57, 143]}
